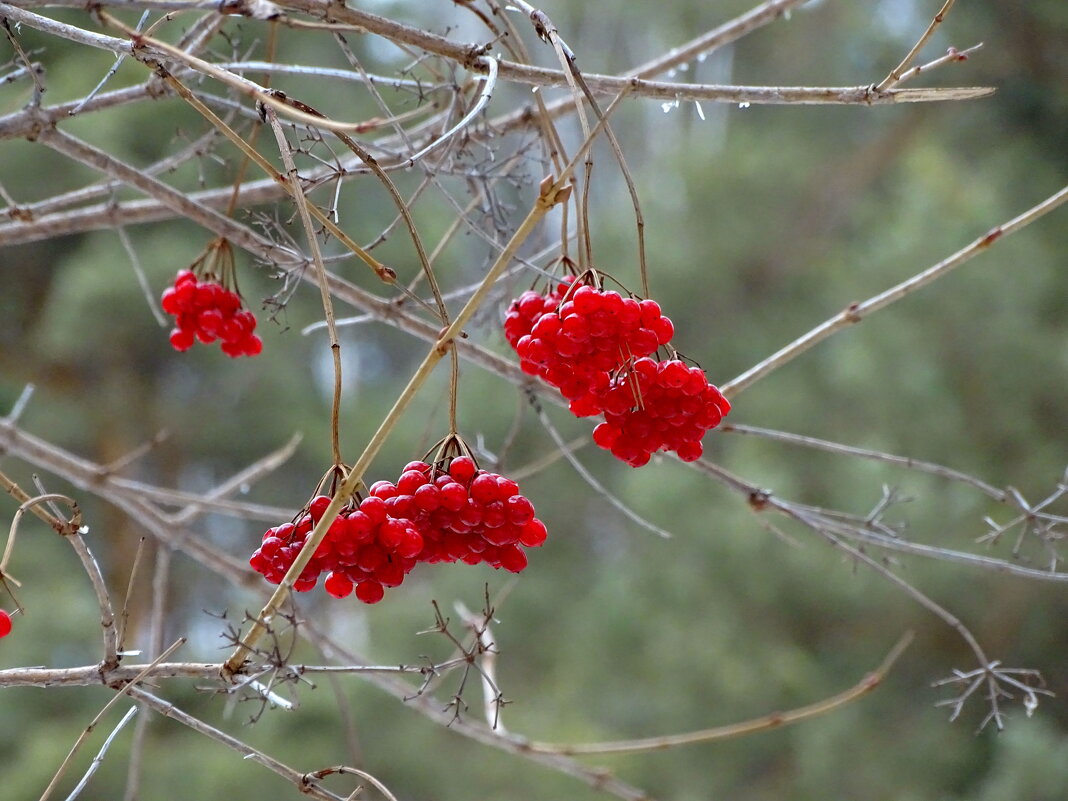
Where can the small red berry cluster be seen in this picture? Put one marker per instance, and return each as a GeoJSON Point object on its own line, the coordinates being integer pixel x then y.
{"type": "Point", "coordinates": [363, 546]}
{"type": "Point", "coordinates": [576, 333]}
{"type": "Point", "coordinates": [677, 407]}
{"type": "Point", "coordinates": [205, 310]}
{"type": "Point", "coordinates": [465, 514]}
{"type": "Point", "coordinates": [459, 513]}
{"type": "Point", "coordinates": [5, 623]}
{"type": "Point", "coordinates": [595, 347]}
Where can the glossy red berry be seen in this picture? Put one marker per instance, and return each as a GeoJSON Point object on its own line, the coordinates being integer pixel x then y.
{"type": "Point", "coordinates": [655, 406]}
{"type": "Point", "coordinates": [338, 584]}
{"type": "Point", "coordinates": [5, 623]}
{"type": "Point", "coordinates": [318, 506]}
{"type": "Point", "coordinates": [370, 591]}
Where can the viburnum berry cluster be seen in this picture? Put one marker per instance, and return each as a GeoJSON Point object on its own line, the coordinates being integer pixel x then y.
{"type": "Point", "coordinates": [596, 347]}
{"type": "Point", "coordinates": [576, 332]}
{"type": "Point", "coordinates": [5, 623]}
{"type": "Point", "coordinates": [446, 512]}
{"type": "Point", "coordinates": [678, 406]}
{"type": "Point", "coordinates": [465, 514]}
{"type": "Point", "coordinates": [364, 547]}
{"type": "Point", "coordinates": [206, 309]}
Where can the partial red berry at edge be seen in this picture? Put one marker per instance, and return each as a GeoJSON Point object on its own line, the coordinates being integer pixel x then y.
{"type": "Point", "coordinates": [206, 311]}
{"type": "Point", "coordinates": [5, 623]}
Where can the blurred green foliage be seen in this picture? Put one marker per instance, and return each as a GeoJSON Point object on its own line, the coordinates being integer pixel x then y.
{"type": "Point", "coordinates": [761, 223]}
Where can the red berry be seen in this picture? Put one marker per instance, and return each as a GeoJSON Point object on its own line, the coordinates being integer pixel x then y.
{"type": "Point", "coordinates": [369, 591]}
{"type": "Point", "coordinates": [411, 544]}
{"type": "Point", "coordinates": [182, 339]}
{"type": "Point", "coordinates": [463, 469]}
{"type": "Point", "coordinates": [533, 533]}
{"type": "Point", "coordinates": [169, 301]}
{"type": "Point", "coordinates": [318, 506]}
{"type": "Point", "coordinates": [207, 311]}
{"type": "Point", "coordinates": [512, 558]}
{"type": "Point", "coordinates": [338, 585]}
{"type": "Point", "coordinates": [484, 489]}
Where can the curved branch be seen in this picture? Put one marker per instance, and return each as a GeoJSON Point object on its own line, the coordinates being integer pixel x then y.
{"type": "Point", "coordinates": [775, 720]}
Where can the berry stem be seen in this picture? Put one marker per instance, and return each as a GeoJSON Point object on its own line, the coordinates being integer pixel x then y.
{"type": "Point", "coordinates": [454, 386]}
{"type": "Point", "coordinates": [313, 243]}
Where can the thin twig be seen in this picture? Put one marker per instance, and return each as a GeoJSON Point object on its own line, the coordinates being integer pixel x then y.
{"type": "Point", "coordinates": [297, 193]}
{"type": "Point", "coordinates": [124, 615]}
{"type": "Point", "coordinates": [855, 312]}
{"type": "Point", "coordinates": [588, 477]}
{"type": "Point", "coordinates": [908, 462]}
{"type": "Point", "coordinates": [897, 73]}
{"type": "Point", "coordinates": [142, 280]}
{"type": "Point", "coordinates": [734, 730]}
{"type": "Point", "coordinates": [99, 758]}
{"type": "Point", "coordinates": [111, 702]}
{"type": "Point", "coordinates": [247, 751]}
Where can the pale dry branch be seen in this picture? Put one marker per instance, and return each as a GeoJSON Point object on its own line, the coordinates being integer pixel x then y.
{"type": "Point", "coordinates": [855, 312]}
{"type": "Point", "coordinates": [731, 731]}
{"type": "Point", "coordinates": [897, 74]}
{"type": "Point", "coordinates": [342, 770]}
{"type": "Point", "coordinates": [169, 710]}
{"type": "Point", "coordinates": [142, 280]}
{"type": "Point", "coordinates": [239, 482]}
{"type": "Point", "coordinates": [492, 698]}
{"type": "Point", "coordinates": [995, 678]}
{"type": "Point", "coordinates": [907, 462]}
{"type": "Point", "coordinates": [296, 191]}
{"type": "Point", "coordinates": [160, 580]}
{"type": "Point", "coordinates": [99, 758]}
{"type": "Point", "coordinates": [100, 715]}
{"type": "Point", "coordinates": [179, 202]}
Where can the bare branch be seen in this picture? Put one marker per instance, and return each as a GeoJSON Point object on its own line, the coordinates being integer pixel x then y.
{"type": "Point", "coordinates": [773, 721]}
{"type": "Point", "coordinates": [855, 312]}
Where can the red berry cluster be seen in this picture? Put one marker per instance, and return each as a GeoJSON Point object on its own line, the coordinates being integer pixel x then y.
{"type": "Point", "coordinates": [5, 623]}
{"type": "Point", "coordinates": [365, 546]}
{"type": "Point", "coordinates": [460, 514]}
{"type": "Point", "coordinates": [465, 514]}
{"type": "Point", "coordinates": [677, 407]}
{"type": "Point", "coordinates": [207, 311]}
{"type": "Point", "coordinates": [595, 347]}
{"type": "Point", "coordinates": [577, 332]}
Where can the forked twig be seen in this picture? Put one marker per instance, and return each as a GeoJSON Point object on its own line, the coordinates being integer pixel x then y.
{"type": "Point", "coordinates": [100, 754]}
{"type": "Point", "coordinates": [111, 702]}
{"type": "Point", "coordinates": [897, 73]}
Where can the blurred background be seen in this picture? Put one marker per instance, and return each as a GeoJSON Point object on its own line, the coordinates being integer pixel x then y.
{"type": "Point", "coordinates": [761, 222]}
